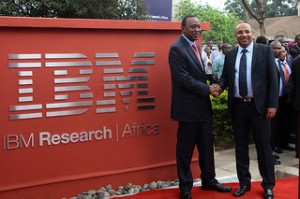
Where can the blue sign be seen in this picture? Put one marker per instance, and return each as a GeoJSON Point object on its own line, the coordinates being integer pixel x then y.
{"type": "Point", "coordinates": [160, 10]}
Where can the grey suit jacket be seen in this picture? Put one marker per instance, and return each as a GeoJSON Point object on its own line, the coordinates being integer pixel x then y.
{"type": "Point", "coordinates": [263, 73]}
{"type": "Point", "coordinates": [190, 92]}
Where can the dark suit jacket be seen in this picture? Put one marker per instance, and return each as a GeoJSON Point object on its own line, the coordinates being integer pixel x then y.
{"type": "Point", "coordinates": [264, 77]}
{"type": "Point", "coordinates": [190, 92]}
{"type": "Point", "coordinates": [295, 51]}
{"type": "Point", "coordinates": [296, 82]}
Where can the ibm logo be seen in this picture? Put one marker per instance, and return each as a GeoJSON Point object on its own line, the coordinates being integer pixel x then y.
{"type": "Point", "coordinates": [117, 80]}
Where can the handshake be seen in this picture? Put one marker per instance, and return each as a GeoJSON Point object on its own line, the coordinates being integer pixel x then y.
{"type": "Point", "coordinates": [215, 90]}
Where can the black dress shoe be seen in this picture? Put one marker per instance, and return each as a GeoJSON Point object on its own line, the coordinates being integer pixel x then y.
{"type": "Point", "coordinates": [278, 149]}
{"type": "Point", "coordinates": [216, 187]}
{"type": "Point", "coordinates": [185, 195]}
{"type": "Point", "coordinates": [276, 157]}
{"type": "Point", "coordinates": [292, 138]}
{"type": "Point", "coordinates": [241, 191]}
{"type": "Point", "coordinates": [268, 194]}
{"type": "Point", "coordinates": [276, 162]}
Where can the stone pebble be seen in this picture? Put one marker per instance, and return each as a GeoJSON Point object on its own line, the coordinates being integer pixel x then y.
{"type": "Point", "coordinates": [109, 192]}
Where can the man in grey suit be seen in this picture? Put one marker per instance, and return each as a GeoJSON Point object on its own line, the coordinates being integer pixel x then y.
{"type": "Point", "coordinates": [251, 76]}
{"type": "Point", "coordinates": [191, 107]}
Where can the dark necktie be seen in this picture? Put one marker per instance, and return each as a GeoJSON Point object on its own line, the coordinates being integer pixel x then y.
{"type": "Point", "coordinates": [197, 54]}
{"type": "Point", "coordinates": [282, 76]}
{"type": "Point", "coordinates": [243, 75]}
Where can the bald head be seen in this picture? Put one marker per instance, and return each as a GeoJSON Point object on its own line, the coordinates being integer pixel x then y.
{"type": "Point", "coordinates": [277, 48]}
{"type": "Point", "coordinates": [243, 25]}
{"type": "Point", "coordinates": [276, 43]}
{"type": "Point", "coordinates": [243, 34]}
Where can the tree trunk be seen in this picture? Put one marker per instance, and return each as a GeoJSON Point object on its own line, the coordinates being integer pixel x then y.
{"type": "Point", "coordinates": [260, 16]}
{"type": "Point", "coordinates": [245, 14]}
{"type": "Point", "coordinates": [262, 28]}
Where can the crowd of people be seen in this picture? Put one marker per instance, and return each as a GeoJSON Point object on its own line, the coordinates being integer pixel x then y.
{"type": "Point", "coordinates": [262, 79]}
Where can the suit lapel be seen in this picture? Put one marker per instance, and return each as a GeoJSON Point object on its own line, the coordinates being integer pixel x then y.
{"type": "Point", "coordinates": [254, 55]}
{"type": "Point", "coordinates": [232, 64]}
{"type": "Point", "coordinates": [192, 54]}
{"type": "Point", "coordinates": [195, 58]}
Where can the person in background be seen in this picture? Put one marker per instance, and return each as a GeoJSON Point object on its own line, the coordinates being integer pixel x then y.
{"type": "Point", "coordinates": [290, 121]}
{"type": "Point", "coordinates": [262, 40]}
{"type": "Point", "coordinates": [291, 44]}
{"type": "Point", "coordinates": [285, 43]}
{"type": "Point", "coordinates": [280, 121]}
{"type": "Point", "coordinates": [295, 49]}
{"type": "Point", "coordinates": [252, 79]}
{"type": "Point", "coordinates": [208, 50]}
{"type": "Point", "coordinates": [210, 44]}
{"type": "Point", "coordinates": [191, 108]}
{"type": "Point", "coordinates": [215, 53]}
{"type": "Point", "coordinates": [217, 66]}
{"type": "Point", "coordinates": [204, 57]}
{"type": "Point", "coordinates": [208, 66]}
{"type": "Point", "coordinates": [293, 116]}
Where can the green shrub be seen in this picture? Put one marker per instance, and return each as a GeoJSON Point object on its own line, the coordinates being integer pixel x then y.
{"type": "Point", "coordinates": [222, 124]}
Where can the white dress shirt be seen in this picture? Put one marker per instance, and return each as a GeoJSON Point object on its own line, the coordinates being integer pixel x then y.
{"type": "Point", "coordinates": [237, 68]}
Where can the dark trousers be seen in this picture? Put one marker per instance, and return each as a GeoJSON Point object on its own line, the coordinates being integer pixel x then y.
{"type": "Point", "coordinates": [282, 123]}
{"type": "Point", "coordinates": [245, 116]}
{"type": "Point", "coordinates": [297, 135]}
{"type": "Point", "coordinates": [189, 135]}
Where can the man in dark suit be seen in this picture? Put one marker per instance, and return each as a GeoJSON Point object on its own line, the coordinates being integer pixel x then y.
{"type": "Point", "coordinates": [295, 77]}
{"type": "Point", "coordinates": [191, 107]}
{"type": "Point", "coordinates": [251, 76]}
{"type": "Point", "coordinates": [280, 124]}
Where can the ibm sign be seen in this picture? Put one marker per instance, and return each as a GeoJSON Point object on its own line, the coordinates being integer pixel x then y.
{"type": "Point", "coordinates": [84, 103]}
{"type": "Point", "coordinates": [72, 93]}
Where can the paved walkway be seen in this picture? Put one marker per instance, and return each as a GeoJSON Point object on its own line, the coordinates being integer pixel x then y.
{"type": "Point", "coordinates": [226, 170]}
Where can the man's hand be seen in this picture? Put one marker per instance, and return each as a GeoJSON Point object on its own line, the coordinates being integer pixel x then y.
{"type": "Point", "coordinates": [271, 112]}
{"type": "Point", "coordinates": [215, 90]}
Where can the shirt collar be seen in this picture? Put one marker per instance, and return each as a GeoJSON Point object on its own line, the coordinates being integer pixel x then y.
{"type": "Point", "coordinates": [249, 48]}
{"type": "Point", "coordinates": [189, 41]}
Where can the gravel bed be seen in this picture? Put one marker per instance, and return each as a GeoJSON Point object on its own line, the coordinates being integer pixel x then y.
{"type": "Point", "coordinates": [129, 189]}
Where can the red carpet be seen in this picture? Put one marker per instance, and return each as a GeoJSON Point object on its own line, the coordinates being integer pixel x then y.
{"type": "Point", "coordinates": [286, 188]}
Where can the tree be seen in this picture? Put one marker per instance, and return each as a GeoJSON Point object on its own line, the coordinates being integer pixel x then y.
{"type": "Point", "coordinates": [133, 9]}
{"type": "Point", "coordinates": [97, 9]}
{"type": "Point", "coordinates": [259, 16]}
{"type": "Point", "coordinates": [280, 8]}
{"type": "Point", "coordinates": [235, 7]}
{"type": "Point", "coordinates": [276, 8]}
{"type": "Point", "coordinates": [221, 25]}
